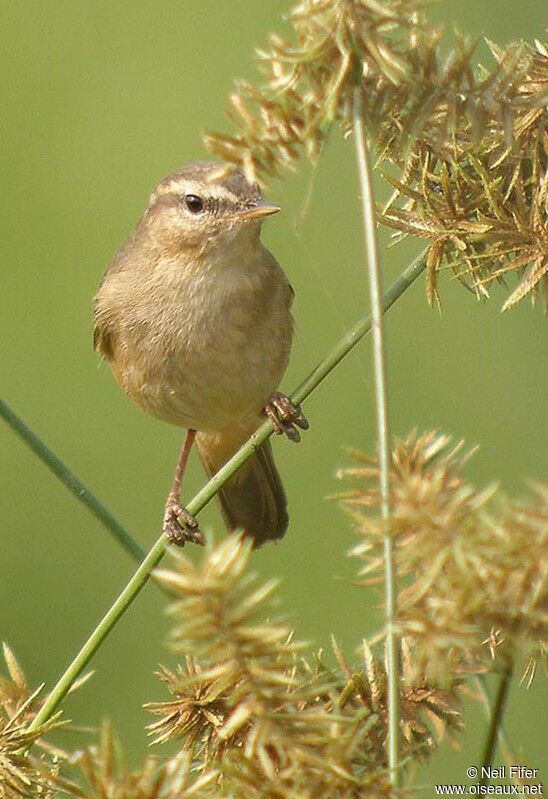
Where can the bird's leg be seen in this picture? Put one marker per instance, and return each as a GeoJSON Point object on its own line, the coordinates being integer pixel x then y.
{"type": "Point", "coordinates": [285, 416]}
{"type": "Point", "coordinates": [179, 526]}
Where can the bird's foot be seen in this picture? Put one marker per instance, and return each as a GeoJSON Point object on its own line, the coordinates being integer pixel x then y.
{"type": "Point", "coordinates": [179, 526]}
{"type": "Point", "coordinates": [285, 416]}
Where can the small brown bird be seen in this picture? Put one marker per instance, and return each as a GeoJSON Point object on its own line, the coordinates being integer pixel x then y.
{"type": "Point", "coordinates": [193, 315]}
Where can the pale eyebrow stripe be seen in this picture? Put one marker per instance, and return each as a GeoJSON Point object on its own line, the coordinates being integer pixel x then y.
{"type": "Point", "coordinates": [213, 189]}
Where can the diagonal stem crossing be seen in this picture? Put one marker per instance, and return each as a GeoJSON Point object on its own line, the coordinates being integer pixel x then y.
{"type": "Point", "coordinates": [206, 494]}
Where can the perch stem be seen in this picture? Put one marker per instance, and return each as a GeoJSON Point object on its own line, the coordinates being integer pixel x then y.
{"type": "Point", "coordinates": [495, 725]}
{"type": "Point", "coordinates": [486, 703]}
{"type": "Point", "coordinates": [206, 494]}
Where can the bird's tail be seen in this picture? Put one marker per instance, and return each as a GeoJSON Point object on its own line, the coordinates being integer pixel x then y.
{"type": "Point", "coordinates": [253, 500]}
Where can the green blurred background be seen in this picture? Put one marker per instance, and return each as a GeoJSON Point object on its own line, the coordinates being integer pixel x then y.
{"type": "Point", "coordinates": [100, 101]}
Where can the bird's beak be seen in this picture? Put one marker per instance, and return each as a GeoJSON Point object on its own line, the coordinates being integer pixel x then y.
{"type": "Point", "coordinates": [261, 209]}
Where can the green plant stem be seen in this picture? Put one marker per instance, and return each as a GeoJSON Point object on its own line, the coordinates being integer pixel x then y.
{"type": "Point", "coordinates": [140, 577]}
{"type": "Point", "coordinates": [495, 724]}
{"type": "Point", "coordinates": [69, 479]}
{"type": "Point", "coordinates": [503, 737]}
{"type": "Point", "coordinates": [383, 436]}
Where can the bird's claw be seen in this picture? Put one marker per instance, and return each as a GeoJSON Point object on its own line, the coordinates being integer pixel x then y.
{"type": "Point", "coordinates": [179, 526]}
{"type": "Point", "coordinates": [285, 416]}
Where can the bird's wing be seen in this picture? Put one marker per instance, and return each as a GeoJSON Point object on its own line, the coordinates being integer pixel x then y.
{"type": "Point", "coordinates": [103, 333]}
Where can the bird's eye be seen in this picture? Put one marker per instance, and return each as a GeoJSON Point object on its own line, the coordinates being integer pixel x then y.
{"type": "Point", "coordinates": [194, 203]}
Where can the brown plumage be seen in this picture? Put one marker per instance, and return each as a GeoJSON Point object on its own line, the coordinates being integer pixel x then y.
{"type": "Point", "coordinates": [193, 316]}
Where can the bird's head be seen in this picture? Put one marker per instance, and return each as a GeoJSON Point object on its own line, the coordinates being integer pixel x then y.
{"type": "Point", "coordinates": [202, 207]}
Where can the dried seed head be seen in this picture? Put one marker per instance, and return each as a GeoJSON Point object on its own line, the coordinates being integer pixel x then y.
{"type": "Point", "coordinates": [475, 562]}
{"type": "Point", "coordinates": [468, 144]}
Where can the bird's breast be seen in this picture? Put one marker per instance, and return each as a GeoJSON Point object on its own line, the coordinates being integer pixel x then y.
{"type": "Point", "coordinates": [201, 348]}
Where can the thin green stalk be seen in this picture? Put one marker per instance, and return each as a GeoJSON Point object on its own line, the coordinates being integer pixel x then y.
{"type": "Point", "coordinates": [383, 436]}
{"type": "Point", "coordinates": [69, 479]}
{"type": "Point", "coordinates": [486, 704]}
{"type": "Point", "coordinates": [495, 725]}
{"type": "Point", "coordinates": [136, 583]}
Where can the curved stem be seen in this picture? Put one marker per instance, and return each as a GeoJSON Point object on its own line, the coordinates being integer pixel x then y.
{"type": "Point", "coordinates": [383, 435]}
{"type": "Point", "coordinates": [140, 577]}
{"type": "Point", "coordinates": [69, 479]}
{"type": "Point", "coordinates": [495, 725]}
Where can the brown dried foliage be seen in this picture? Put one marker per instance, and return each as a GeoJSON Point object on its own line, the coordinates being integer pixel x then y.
{"type": "Point", "coordinates": [246, 703]}
{"type": "Point", "coordinates": [473, 563]}
{"type": "Point", "coordinates": [101, 772]}
{"type": "Point", "coordinates": [466, 147]}
{"type": "Point", "coordinates": [23, 773]}
{"type": "Point", "coordinates": [249, 706]}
